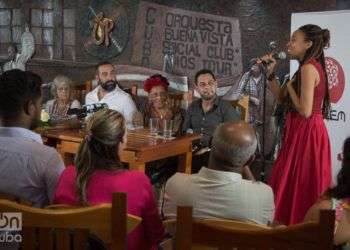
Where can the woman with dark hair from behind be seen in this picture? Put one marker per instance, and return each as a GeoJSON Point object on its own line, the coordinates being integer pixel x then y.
{"type": "Point", "coordinates": [338, 199]}
{"type": "Point", "coordinates": [98, 173]}
{"type": "Point", "coordinates": [302, 171]}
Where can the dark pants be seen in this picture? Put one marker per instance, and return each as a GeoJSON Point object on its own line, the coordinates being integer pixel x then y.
{"type": "Point", "coordinates": [160, 171]}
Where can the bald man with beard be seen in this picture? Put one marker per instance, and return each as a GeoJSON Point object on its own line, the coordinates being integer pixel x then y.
{"type": "Point", "coordinates": [219, 191]}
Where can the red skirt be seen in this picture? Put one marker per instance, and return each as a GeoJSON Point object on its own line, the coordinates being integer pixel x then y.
{"type": "Point", "coordinates": [302, 171]}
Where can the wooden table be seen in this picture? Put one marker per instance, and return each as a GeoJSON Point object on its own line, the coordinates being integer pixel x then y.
{"type": "Point", "coordinates": [141, 147]}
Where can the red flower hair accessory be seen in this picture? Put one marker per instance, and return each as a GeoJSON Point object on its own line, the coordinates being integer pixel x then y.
{"type": "Point", "coordinates": [155, 80]}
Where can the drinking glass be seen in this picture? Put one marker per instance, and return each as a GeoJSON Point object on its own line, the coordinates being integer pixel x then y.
{"type": "Point", "coordinates": [154, 126]}
{"type": "Point", "coordinates": [167, 128]}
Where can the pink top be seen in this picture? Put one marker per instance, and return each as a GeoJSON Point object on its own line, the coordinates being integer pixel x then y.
{"type": "Point", "coordinates": [140, 200]}
{"type": "Point", "coordinates": [320, 90]}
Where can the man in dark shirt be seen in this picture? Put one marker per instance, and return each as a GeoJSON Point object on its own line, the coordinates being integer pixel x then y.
{"type": "Point", "coordinates": [205, 114]}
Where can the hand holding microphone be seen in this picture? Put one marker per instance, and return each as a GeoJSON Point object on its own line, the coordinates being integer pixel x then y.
{"type": "Point", "coordinates": [269, 62]}
{"type": "Point", "coordinates": [272, 49]}
{"type": "Point", "coordinates": [272, 56]}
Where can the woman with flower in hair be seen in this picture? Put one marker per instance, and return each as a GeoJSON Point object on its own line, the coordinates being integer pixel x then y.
{"type": "Point", "coordinates": [158, 105]}
{"type": "Point", "coordinates": [98, 173]}
{"type": "Point", "coordinates": [302, 171]}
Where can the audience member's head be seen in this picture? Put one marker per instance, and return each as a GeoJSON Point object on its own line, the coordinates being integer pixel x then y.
{"type": "Point", "coordinates": [233, 146]}
{"type": "Point", "coordinates": [342, 189]}
{"type": "Point", "coordinates": [206, 84]}
{"type": "Point", "coordinates": [157, 86]}
{"type": "Point", "coordinates": [20, 99]}
{"type": "Point", "coordinates": [105, 131]}
{"type": "Point", "coordinates": [106, 76]}
{"type": "Point", "coordinates": [62, 88]}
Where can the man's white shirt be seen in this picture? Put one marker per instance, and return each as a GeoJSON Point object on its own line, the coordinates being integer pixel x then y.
{"type": "Point", "coordinates": [219, 194]}
{"type": "Point", "coordinates": [117, 100]}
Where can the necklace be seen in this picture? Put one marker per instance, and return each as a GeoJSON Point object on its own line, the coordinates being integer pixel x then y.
{"type": "Point", "coordinates": [162, 114]}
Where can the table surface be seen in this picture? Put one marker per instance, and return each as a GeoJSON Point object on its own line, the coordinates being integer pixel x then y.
{"type": "Point", "coordinates": [137, 140]}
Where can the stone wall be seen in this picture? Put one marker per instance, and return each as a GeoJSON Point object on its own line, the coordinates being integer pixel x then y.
{"type": "Point", "coordinates": [56, 26]}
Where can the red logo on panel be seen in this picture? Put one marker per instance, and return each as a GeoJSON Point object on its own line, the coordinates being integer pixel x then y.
{"type": "Point", "coordinates": [336, 79]}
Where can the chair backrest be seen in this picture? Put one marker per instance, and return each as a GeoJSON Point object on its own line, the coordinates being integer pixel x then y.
{"type": "Point", "coordinates": [243, 105]}
{"type": "Point", "coordinates": [80, 91]}
{"type": "Point", "coordinates": [68, 228]}
{"type": "Point", "coordinates": [4, 196]}
{"type": "Point", "coordinates": [240, 235]}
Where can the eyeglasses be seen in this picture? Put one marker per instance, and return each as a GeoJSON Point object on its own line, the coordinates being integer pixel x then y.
{"type": "Point", "coordinates": [63, 89]}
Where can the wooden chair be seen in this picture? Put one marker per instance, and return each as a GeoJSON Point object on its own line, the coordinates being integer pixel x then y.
{"type": "Point", "coordinates": [243, 105]}
{"type": "Point", "coordinates": [80, 91]}
{"type": "Point", "coordinates": [69, 227]}
{"type": "Point", "coordinates": [244, 236]}
{"type": "Point", "coordinates": [10, 197]}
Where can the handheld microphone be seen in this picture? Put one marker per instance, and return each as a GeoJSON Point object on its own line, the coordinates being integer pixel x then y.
{"type": "Point", "coordinates": [280, 55]}
{"type": "Point", "coordinates": [86, 109]}
{"type": "Point", "coordinates": [272, 46]}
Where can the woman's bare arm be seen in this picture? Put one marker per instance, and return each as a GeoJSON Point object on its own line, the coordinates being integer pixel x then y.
{"type": "Point", "coordinates": [304, 103]}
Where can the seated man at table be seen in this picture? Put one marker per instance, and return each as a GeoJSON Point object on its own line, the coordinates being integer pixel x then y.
{"type": "Point", "coordinates": [28, 169]}
{"type": "Point", "coordinates": [205, 114]}
{"type": "Point", "coordinates": [109, 92]}
{"type": "Point", "coordinates": [218, 191]}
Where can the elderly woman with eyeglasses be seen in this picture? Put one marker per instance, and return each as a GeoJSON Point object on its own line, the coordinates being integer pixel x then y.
{"type": "Point", "coordinates": [58, 107]}
{"type": "Point", "coordinates": [158, 105]}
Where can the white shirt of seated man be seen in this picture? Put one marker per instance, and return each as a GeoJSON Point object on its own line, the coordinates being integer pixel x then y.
{"type": "Point", "coordinates": [218, 190]}
{"type": "Point", "coordinates": [108, 92]}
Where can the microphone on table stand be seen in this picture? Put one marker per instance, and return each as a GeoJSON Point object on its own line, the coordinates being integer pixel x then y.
{"type": "Point", "coordinates": [86, 109]}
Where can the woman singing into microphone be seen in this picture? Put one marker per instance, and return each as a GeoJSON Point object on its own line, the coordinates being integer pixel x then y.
{"type": "Point", "coordinates": [302, 170]}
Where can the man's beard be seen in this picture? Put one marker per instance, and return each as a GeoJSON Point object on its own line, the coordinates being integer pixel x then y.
{"type": "Point", "coordinates": [207, 96]}
{"type": "Point", "coordinates": [108, 86]}
{"type": "Point", "coordinates": [255, 70]}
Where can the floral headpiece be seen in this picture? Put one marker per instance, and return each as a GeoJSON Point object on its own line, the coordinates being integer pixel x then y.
{"type": "Point", "coordinates": [155, 80]}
